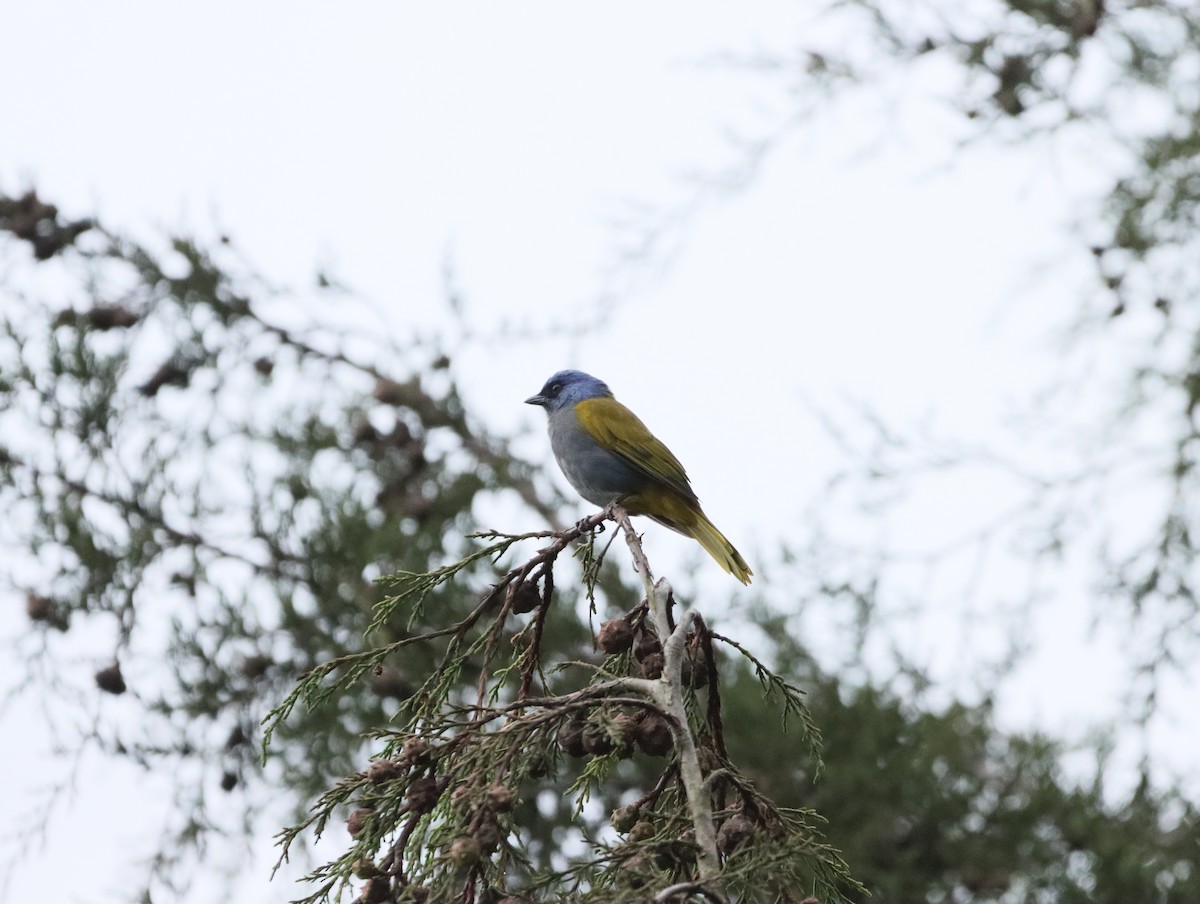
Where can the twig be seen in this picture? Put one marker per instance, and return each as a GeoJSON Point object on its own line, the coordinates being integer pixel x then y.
{"type": "Point", "coordinates": [533, 653]}
{"type": "Point", "coordinates": [687, 889]}
{"type": "Point", "coordinates": [715, 724]}
{"type": "Point", "coordinates": [650, 798]}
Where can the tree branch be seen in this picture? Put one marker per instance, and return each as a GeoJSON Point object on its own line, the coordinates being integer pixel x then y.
{"type": "Point", "coordinates": [667, 692]}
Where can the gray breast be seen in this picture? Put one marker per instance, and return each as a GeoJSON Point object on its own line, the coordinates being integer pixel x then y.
{"type": "Point", "coordinates": [600, 476]}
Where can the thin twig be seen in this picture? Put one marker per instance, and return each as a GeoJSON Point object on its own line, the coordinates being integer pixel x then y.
{"type": "Point", "coordinates": [687, 889]}
{"type": "Point", "coordinates": [533, 653]}
{"type": "Point", "coordinates": [715, 724]}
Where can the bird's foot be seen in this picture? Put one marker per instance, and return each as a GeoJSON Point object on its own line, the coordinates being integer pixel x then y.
{"type": "Point", "coordinates": [584, 527]}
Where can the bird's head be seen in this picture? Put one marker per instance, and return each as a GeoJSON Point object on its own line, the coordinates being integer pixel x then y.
{"type": "Point", "coordinates": [566, 388]}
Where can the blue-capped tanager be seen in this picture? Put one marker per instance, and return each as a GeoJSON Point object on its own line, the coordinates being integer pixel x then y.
{"type": "Point", "coordinates": [609, 456]}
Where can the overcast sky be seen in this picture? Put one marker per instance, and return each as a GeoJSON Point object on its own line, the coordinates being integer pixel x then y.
{"type": "Point", "coordinates": [869, 260]}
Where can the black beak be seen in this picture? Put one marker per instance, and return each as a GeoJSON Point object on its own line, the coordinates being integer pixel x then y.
{"type": "Point", "coordinates": [536, 400]}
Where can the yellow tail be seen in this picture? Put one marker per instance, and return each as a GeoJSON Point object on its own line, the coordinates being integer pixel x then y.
{"type": "Point", "coordinates": [706, 534]}
{"type": "Point", "coordinates": [684, 516]}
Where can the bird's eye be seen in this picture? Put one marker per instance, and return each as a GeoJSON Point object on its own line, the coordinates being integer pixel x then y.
{"type": "Point", "coordinates": [555, 388]}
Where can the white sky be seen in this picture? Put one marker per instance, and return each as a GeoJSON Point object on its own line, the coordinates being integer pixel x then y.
{"type": "Point", "coordinates": [868, 261]}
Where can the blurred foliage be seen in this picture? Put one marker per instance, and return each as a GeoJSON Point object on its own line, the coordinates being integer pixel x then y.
{"type": "Point", "coordinates": [198, 499]}
{"type": "Point", "coordinates": [1112, 82]}
{"type": "Point", "coordinates": [1117, 83]}
{"type": "Point", "coordinates": [197, 487]}
{"type": "Point", "coordinates": [933, 804]}
{"type": "Point", "coordinates": [1105, 90]}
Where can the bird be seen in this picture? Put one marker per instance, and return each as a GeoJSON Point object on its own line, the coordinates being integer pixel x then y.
{"type": "Point", "coordinates": [609, 456]}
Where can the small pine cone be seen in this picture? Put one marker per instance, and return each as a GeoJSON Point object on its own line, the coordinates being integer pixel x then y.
{"type": "Point", "coordinates": [382, 771]}
{"type": "Point", "coordinates": [622, 731]}
{"type": "Point", "coordinates": [358, 820]}
{"type": "Point", "coordinates": [615, 636]}
{"type": "Point", "coordinates": [570, 739]}
{"type": "Point", "coordinates": [413, 752]}
{"type": "Point", "coordinates": [596, 740]}
{"type": "Point", "coordinates": [643, 830]}
{"type": "Point", "coordinates": [537, 765]}
{"type": "Point", "coordinates": [525, 599]}
{"type": "Point", "coordinates": [464, 851]}
{"type": "Point", "coordinates": [110, 679]}
{"type": "Point", "coordinates": [501, 798]}
{"type": "Point", "coordinates": [376, 891]}
{"type": "Point", "coordinates": [646, 645]}
{"type": "Point", "coordinates": [653, 735]}
{"type": "Point", "coordinates": [652, 666]}
{"type": "Point", "coordinates": [422, 795]}
{"type": "Point", "coordinates": [624, 818]}
{"type": "Point", "coordinates": [624, 724]}
{"type": "Point", "coordinates": [488, 835]}
{"type": "Point", "coordinates": [229, 781]}
{"type": "Point", "coordinates": [461, 795]}
{"type": "Point", "coordinates": [733, 831]}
